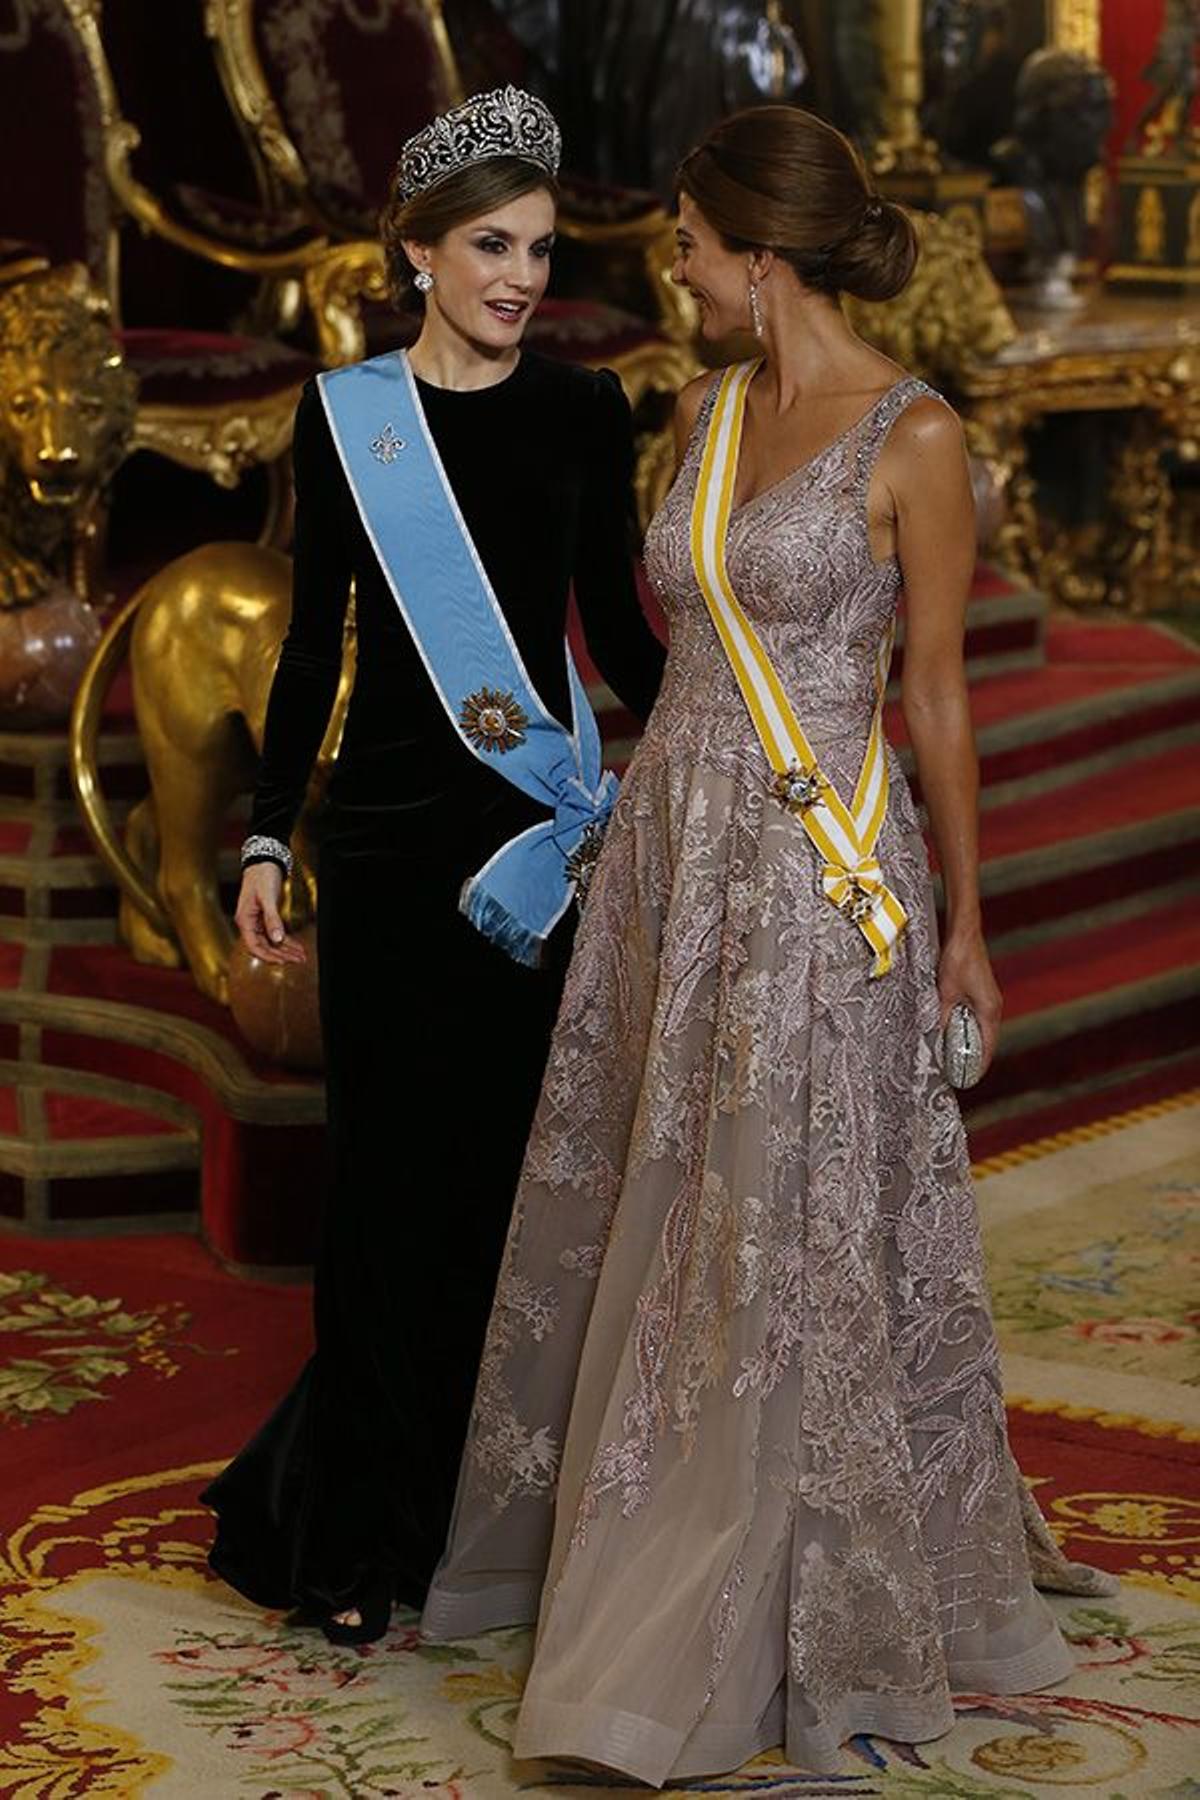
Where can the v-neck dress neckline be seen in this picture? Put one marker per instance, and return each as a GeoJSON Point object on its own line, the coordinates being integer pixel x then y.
{"type": "Point", "coordinates": [818, 456]}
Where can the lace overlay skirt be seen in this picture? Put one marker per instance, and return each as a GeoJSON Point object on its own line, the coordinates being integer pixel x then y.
{"type": "Point", "coordinates": [739, 1428]}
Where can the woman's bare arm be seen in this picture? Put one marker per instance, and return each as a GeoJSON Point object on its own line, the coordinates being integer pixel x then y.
{"type": "Point", "coordinates": [925, 466]}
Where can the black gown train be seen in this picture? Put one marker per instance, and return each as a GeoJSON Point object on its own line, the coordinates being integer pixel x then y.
{"type": "Point", "coordinates": [435, 1041]}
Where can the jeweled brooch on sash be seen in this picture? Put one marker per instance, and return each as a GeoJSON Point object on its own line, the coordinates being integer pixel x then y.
{"type": "Point", "coordinates": [493, 720]}
{"type": "Point", "coordinates": [387, 446]}
{"type": "Point", "coordinates": [797, 789]}
{"type": "Point", "coordinates": [859, 902]}
{"type": "Point", "coordinates": [581, 864]}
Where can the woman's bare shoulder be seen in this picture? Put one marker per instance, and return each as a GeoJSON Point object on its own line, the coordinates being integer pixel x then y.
{"type": "Point", "coordinates": [925, 444]}
{"type": "Point", "coordinates": [928, 423]}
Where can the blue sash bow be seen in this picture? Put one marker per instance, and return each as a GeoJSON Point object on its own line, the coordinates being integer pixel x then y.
{"type": "Point", "coordinates": [412, 519]}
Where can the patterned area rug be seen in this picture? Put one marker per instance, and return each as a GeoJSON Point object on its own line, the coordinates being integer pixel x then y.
{"type": "Point", "coordinates": [128, 1672]}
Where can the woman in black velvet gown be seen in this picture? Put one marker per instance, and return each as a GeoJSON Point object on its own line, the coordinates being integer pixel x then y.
{"type": "Point", "coordinates": [435, 1040]}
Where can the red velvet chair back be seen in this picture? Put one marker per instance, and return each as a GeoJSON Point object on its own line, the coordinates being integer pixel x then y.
{"type": "Point", "coordinates": [486, 51]}
{"type": "Point", "coordinates": [352, 79]}
{"type": "Point", "coordinates": [52, 139]}
{"type": "Point", "coordinates": [164, 72]}
{"type": "Point", "coordinates": [167, 80]}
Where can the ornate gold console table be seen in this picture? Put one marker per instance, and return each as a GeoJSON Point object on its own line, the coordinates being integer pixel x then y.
{"type": "Point", "coordinates": [1133, 355]}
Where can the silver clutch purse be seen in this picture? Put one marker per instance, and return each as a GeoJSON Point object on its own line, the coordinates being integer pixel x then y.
{"type": "Point", "coordinates": [962, 1047]}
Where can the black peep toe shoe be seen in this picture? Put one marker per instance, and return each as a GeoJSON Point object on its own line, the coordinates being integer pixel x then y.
{"type": "Point", "coordinates": [374, 1608]}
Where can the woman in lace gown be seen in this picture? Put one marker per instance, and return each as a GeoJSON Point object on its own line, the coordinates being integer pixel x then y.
{"type": "Point", "coordinates": [739, 1427]}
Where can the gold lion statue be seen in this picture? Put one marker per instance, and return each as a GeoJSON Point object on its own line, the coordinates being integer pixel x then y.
{"type": "Point", "coordinates": [203, 637]}
{"type": "Point", "coordinates": [67, 407]}
{"type": "Point", "coordinates": [950, 315]}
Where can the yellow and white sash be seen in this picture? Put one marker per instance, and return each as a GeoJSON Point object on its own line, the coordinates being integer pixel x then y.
{"type": "Point", "coordinates": [844, 837]}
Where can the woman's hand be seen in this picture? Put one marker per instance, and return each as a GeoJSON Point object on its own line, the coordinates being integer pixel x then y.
{"type": "Point", "coordinates": [257, 917]}
{"type": "Point", "coordinates": [965, 973]}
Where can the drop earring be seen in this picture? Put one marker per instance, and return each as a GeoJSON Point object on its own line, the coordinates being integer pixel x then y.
{"type": "Point", "coordinates": [422, 281]}
{"type": "Point", "coordinates": [756, 317]}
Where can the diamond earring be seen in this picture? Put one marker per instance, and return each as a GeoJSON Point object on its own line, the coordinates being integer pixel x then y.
{"type": "Point", "coordinates": [756, 317]}
{"type": "Point", "coordinates": [422, 281]}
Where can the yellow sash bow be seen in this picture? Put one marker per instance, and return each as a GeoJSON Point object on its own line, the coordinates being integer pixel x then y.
{"type": "Point", "coordinates": [844, 836]}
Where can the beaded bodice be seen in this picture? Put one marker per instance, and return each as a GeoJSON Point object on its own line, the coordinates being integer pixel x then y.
{"type": "Point", "coordinates": [800, 560]}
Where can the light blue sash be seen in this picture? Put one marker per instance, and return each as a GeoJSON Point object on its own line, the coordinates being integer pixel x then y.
{"type": "Point", "coordinates": [411, 516]}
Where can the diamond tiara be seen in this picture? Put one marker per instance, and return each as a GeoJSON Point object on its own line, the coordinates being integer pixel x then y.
{"type": "Point", "coordinates": [505, 122]}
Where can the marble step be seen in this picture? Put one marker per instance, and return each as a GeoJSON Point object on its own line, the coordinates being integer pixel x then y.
{"type": "Point", "coordinates": [1094, 1012]}
{"type": "Point", "coordinates": [1100, 851]}
{"type": "Point", "coordinates": [78, 1145]}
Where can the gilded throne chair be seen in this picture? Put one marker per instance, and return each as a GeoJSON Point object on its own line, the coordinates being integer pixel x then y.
{"type": "Point", "coordinates": [210, 398]}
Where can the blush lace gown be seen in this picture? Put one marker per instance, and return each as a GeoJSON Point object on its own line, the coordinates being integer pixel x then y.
{"type": "Point", "coordinates": [739, 1426]}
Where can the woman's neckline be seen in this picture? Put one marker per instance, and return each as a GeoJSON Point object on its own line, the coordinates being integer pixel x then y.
{"type": "Point", "coordinates": [818, 456]}
{"type": "Point", "coordinates": [491, 387]}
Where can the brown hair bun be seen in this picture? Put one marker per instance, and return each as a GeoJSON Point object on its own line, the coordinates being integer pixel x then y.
{"type": "Point", "coordinates": [779, 178]}
{"type": "Point", "coordinates": [877, 259]}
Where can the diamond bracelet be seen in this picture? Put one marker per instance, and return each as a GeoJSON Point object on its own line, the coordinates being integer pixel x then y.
{"type": "Point", "coordinates": [259, 849]}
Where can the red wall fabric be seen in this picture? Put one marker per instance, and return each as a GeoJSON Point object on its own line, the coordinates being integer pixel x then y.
{"type": "Point", "coordinates": [1128, 31]}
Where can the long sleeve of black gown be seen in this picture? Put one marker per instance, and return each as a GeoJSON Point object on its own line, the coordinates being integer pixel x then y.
{"type": "Point", "coordinates": [624, 648]}
{"type": "Point", "coordinates": [310, 661]}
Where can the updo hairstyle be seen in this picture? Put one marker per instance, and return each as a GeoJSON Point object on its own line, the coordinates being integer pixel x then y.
{"type": "Point", "coordinates": [779, 178]}
{"type": "Point", "coordinates": [478, 188]}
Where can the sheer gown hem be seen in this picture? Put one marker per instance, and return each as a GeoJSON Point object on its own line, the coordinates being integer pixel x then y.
{"type": "Point", "coordinates": [632, 1745]}
{"type": "Point", "coordinates": [450, 1616]}
{"type": "Point", "coordinates": [656, 1753]}
{"type": "Point", "coordinates": [1048, 1661]}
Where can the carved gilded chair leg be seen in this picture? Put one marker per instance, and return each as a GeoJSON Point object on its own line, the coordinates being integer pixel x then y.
{"type": "Point", "coordinates": [1140, 552]}
{"type": "Point", "coordinates": [996, 433]}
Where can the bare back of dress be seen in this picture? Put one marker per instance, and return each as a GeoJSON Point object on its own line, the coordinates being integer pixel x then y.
{"type": "Point", "coordinates": [740, 1403]}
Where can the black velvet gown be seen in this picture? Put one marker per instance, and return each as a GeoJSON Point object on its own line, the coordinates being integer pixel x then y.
{"type": "Point", "coordinates": [435, 1041]}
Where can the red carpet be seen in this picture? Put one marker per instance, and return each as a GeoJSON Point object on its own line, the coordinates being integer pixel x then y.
{"type": "Point", "coordinates": [130, 1368]}
{"type": "Point", "coordinates": [1033, 1124]}
{"type": "Point", "coordinates": [1139, 790]}
{"type": "Point", "coordinates": [119, 1356]}
{"type": "Point", "coordinates": [116, 1344]}
{"type": "Point", "coordinates": [1122, 641]}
